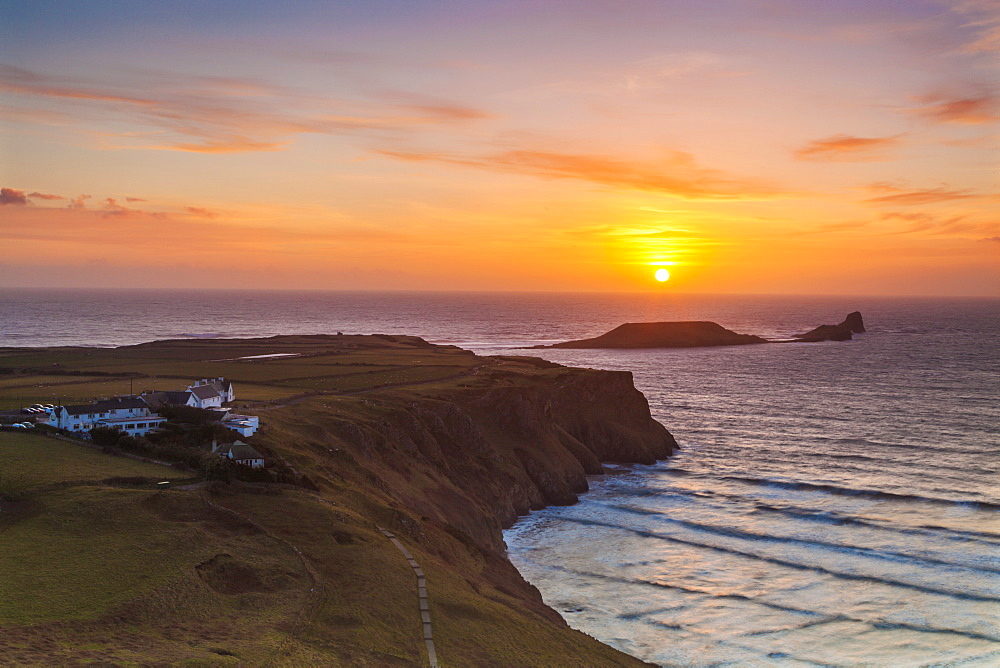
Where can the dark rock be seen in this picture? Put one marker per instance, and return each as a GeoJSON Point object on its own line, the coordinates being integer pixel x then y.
{"type": "Point", "coordinates": [852, 324]}
{"type": "Point", "coordinates": [664, 335]}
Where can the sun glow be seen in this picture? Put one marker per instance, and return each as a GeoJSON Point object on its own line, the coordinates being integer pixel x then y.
{"type": "Point", "coordinates": [662, 275]}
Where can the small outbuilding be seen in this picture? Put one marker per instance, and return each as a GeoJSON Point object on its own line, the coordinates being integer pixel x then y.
{"type": "Point", "coordinates": [241, 453]}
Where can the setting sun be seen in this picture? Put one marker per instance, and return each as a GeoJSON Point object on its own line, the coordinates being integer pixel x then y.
{"type": "Point", "coordinates": [662, 275]}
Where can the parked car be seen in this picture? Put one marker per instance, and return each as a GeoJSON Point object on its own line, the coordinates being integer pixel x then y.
{"type": "Point", "coordinates": [20, 425]}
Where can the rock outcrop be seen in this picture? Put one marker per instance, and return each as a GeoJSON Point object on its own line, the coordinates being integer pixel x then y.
{"type": "Point", "coordinates": [664, 335]}
{"type": "Point", "coordinates": [852, 324]}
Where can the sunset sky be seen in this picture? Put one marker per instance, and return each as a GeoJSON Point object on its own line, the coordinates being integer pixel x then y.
{"type": "Point", "coordinates": [786, 146]}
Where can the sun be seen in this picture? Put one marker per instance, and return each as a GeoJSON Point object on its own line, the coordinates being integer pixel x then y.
{"type": "Point", "coordinates": [662, 275]}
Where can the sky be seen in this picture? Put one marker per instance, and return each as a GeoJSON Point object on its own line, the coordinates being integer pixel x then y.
{"type": "Point", "coordinates": [745, 146]}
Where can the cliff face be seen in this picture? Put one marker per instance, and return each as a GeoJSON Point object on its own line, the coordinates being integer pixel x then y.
{"type": "Point", "coordinates": [477, 457]}
{"type": "Point", "coordinates": [665, 335]}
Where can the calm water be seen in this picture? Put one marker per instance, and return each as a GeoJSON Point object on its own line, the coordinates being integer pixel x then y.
{"type": "Point", "coordinates": [834, 503]}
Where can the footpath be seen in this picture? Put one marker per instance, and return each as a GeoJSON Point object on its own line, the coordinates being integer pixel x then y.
{"type": "Point", "coordinates": [425, 613]}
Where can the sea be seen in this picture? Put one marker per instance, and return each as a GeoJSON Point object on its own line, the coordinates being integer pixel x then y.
{"type": "Point", "coordinates": [832, 504]}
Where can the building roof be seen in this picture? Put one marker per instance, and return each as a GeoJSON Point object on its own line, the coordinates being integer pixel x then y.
{"type": "Point", "coordinates": [204, 392]}
{"type": "Point", "coordinates": [157, 399]}
{"type": "Point", "coordinates": [120, 402]}
{"type": "Point", "coordinates": [220, 384]}
{"type": "Point", "coordinates": [83, 409]}
{"type": "Point", "coordinates": [240, 451]}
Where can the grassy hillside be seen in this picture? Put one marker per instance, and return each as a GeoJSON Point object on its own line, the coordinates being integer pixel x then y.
{"type": "Point", "coordinates": [433, 443]}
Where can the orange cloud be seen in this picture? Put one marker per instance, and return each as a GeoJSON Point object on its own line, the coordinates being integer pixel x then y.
{"type": "Point", "coordinates": [968, 110]}
{"type": "Point", "coordinates": [79, 203]}
{"type": "Point", "coordinates": [45, 196]}
{"type": "Point", "coordinates": [896, 195]}
{"type": "Point", "coordinates": [846, 148]}
{"type": "Point", "coordinates": [199, 212]}
{"type": "Point", "coordinates": [678, 175]}
{"type": "Point", "coordinates": [213, 115]}
{"type": "Point", "coordinates": [11, 196]}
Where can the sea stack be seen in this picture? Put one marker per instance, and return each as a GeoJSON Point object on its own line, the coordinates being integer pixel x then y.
{"type": "Point", "coordinates": [852, 324]}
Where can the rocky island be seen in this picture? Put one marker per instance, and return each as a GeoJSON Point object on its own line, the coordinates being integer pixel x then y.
{"type": "Point", "coordinates": [702, 334]}
{"type": "Point", "coordinates": [664, 335]}
{"type": "Point", "coordinates": [852, 324]}
{"type": "Point", "coordinates": [434, 445]}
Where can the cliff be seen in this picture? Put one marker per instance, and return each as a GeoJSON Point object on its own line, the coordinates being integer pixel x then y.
{"type": "Point", "coordinates": [491, 451]}
{"type": "Point", "coordinates": [664, 335]}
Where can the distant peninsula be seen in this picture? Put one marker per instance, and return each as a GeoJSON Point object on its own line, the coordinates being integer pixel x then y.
{"type": "Point", "coordinates": [698, 334]}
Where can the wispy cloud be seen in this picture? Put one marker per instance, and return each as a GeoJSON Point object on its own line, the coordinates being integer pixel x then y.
{"type": "Point", "coordinates": [962, 225]}
{"type": "Point", "coordinates": [677, 175]}
{"type": "Point", "coordinates": [984, 21]}
{"type": "Point", "coordinates": [847, 148]}
{"type": "Point", "coordinates": [889, 194]}
{"type": "Point", "coordinates": [79, 203]}
{"type": "Point", "coordinates": [199, 212]}
{"type": "Point", "coordinates": [228, 115]}
{"type": "Point", "coordinates": [45, 196]}
{"type": "Point", "coordinates": [978, 108]}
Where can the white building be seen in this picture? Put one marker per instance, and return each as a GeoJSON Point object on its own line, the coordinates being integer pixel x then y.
{"type": "Point", "coordinates": [241, 453]}
{"type": "Point", "coordinates": [244, 425]}
{"type": "Point", "coordinates": [129, 414]}
{"type": "Point", "coordinates": [221, 387]}
{"type": "Point", "coordinates": [205, 396]}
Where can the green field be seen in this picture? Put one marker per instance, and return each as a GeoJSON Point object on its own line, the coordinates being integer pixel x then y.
{"type": "Point", "coordinates": [31, 460]}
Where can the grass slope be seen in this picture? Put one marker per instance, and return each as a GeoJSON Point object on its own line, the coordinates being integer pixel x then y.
{"type": "Point", "coordinates": [265, 575]}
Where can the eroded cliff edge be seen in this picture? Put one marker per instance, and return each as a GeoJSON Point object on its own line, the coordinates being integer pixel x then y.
{"type": "Point", "coordinates": [520, 435]}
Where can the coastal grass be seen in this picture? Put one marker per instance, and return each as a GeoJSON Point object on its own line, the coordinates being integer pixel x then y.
{"type": "Point", "coordinates": [267, 574]}
{"type": "Point", "coordinates": [86, 550]}
{"type": "Point", "coordinates": [42, 379]}
{"type": "Point", "coordinates": [29, 460]}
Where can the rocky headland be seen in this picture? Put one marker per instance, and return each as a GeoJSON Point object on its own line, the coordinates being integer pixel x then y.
{"type": "Point", "coordinates": [703, 334]}
{"type": "Point", "coordinates": [852, 324]}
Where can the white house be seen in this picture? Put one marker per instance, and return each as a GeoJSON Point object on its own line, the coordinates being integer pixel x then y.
{"type": "Point", "coordinates": [241, 453]}
{"type": "Point", "coordinates": [129, 414]}
{"type": "Point", "coordinates": [221, 386]}
{"type": "Point", "coordinates": [205, 396]}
